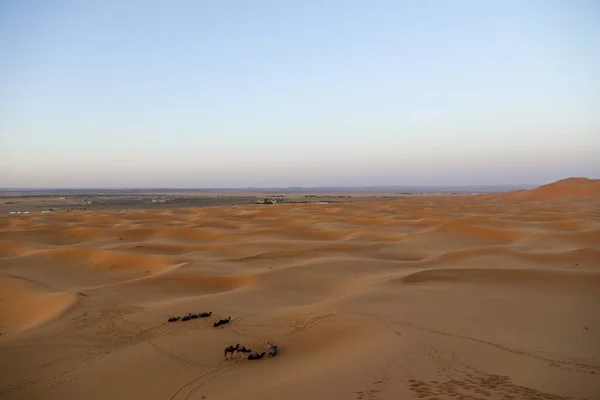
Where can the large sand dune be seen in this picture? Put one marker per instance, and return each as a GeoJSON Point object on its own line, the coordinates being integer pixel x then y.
{"type": "Point", "coordinates": [566, 189]}
{"type": "Point", "coordinates": [458, 297]}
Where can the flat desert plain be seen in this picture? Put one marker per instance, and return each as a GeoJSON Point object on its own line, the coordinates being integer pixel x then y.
{"type": "Point", "coordinates": [433, 297]}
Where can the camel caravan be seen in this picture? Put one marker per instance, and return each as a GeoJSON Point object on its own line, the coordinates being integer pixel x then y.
{"type": "Point", "coordinates": [238, 348]}
{"type": "Point", "coordinates": [190, 316]}
{"type": "Point", "coordinates": [252, 355]}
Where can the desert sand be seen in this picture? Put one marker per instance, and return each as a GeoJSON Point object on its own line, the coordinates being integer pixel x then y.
{"type": "Point", "coordinates": [433, 297]}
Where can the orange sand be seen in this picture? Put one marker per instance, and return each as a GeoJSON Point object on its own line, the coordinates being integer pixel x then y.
{"type": "Point", "coordinates": [459, 297]}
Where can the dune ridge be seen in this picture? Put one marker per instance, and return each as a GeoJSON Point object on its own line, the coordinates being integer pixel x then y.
{"type": "Point", "coordinates": [565, 189]}
{"type": "Point", "coordinates": [23, 304]}
{"type": "Point", "coordinates": [432, 297]}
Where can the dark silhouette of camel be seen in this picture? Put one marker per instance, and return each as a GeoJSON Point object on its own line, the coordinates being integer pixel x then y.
{"type": "Point", "coordinates": [255, 356]}
{"type": "Point", "coordinates": [222, 322]}
{"type": "Point", "coordinates": [229, 349]}
{"type": "Point", "coordinates": [189, 316]}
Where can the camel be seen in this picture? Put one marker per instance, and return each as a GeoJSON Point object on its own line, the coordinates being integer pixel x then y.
{"type": "Point", "coordinates": [255, 356]}
{"type": "Point", "coordinates": [242, 349]}
{"type": "Point", "coordinates": [229, 349]}
{"type": "Point", "coordinates": [221, 322]}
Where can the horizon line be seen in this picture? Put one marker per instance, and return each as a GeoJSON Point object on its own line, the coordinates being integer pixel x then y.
{"type": "Point", "coordinates": [428, 185]}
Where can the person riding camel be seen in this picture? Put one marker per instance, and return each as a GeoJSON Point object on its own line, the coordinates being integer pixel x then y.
{"type": "Point", "coordinates": [242, 349]}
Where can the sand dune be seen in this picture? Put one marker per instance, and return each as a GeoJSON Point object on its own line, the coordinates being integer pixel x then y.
{"type": "Point", "coordinates": [203, 283]}
{"type": "Point", "coordinates": [23, 305]}
{"type": "Point", "coordinates": [463, 230]}
{"type": "Point", "coordinates": [546, 279]}
{"type": "Point", "coordinates": [169, 249]}
{"type": "Point", "coordinates": [96, 258]}
{"type": "Point", "coordinates": [434, 297]}
{"type": "Point", "coordinates": [566, 189]}
{"type": "Point", "coordinates": [9, 248]}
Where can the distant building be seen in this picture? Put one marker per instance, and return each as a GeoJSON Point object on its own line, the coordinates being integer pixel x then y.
{"type": "Point", "coordinates": [266, 201]}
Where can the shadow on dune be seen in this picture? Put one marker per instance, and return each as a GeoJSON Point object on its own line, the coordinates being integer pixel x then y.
{"type": "Point", "coordinates": [543, 279]}
{"type": "Point", "coordinates": [25, 304]}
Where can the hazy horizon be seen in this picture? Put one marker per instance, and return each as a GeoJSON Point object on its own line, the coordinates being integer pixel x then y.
{"type": "Point", "coordinates": [358, 189]}
{"type": "Point", "coordinates": [106, 94]}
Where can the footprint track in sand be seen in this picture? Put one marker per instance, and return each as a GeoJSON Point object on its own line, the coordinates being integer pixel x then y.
{"type": "Point", "coordinates": [171, 355]}
{"type": "Point", "coordinates": [189, 388]}
{"type": "Point", "coordinates": [104, 333]}
{"type": "Point", "coordinates": [460, 381]}
{"type": "Point", "coordinates": [111, 332]}
{"type": "Point", "coordinates": [376, 387]}
{"type": "Point", "coordinates": [307, 325]}
{"type": "Point", "coordinates": [480, 386]}
{"type": "Point", "coordinates": [82, 333]}
{"type": "Point", "coordinates": [590, 369]}
{"type": "Point", "coordinates": [237, 325]}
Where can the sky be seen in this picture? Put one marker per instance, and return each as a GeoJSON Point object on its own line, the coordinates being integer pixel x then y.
{"type": "Point", "coordinates": [278, 93]}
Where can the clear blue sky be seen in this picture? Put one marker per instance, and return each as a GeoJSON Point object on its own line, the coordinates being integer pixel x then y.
{"type": "Point", "coordinates": [285, 93]}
